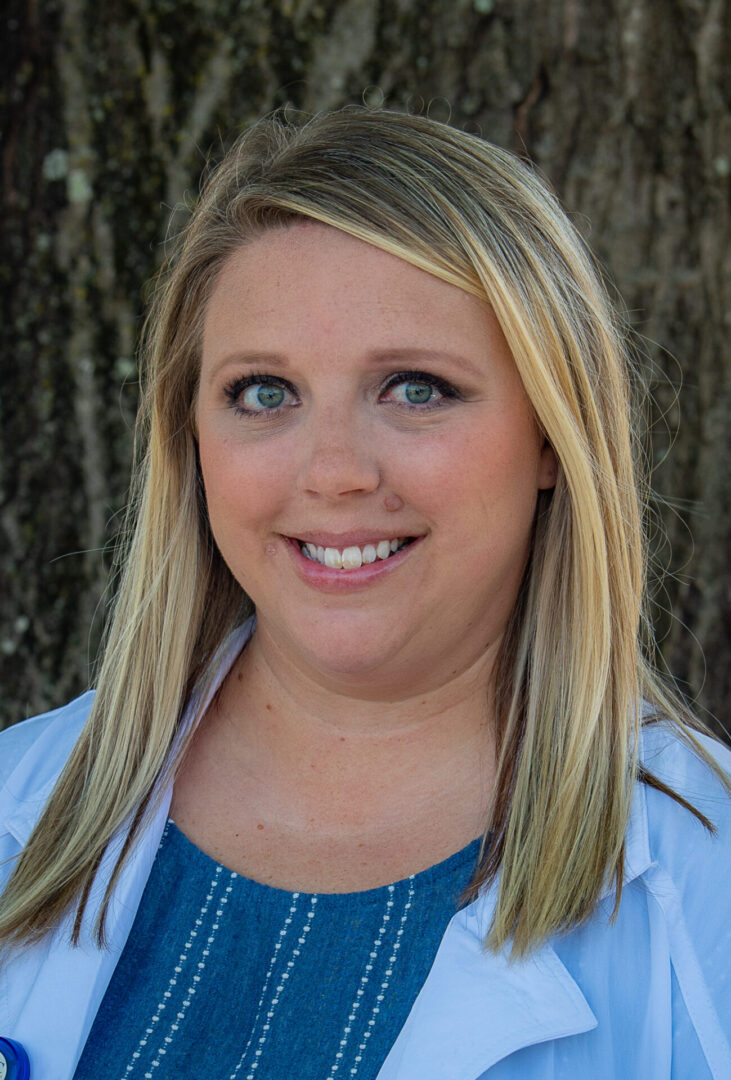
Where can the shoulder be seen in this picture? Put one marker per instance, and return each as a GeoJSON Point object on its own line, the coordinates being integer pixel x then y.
{"type": "Point", "coordinates": [683, 768]}
{"type": "Point", "coordinates": [688, 870]}
{"type": "Point", "coordinates": [686, 886]}
{"type": "Point", "coordinates": [34, 751]}
{"type": "Point", "coordinates": [663, 748]}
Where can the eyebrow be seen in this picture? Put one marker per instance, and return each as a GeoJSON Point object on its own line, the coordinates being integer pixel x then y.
{"type": "Point", "coordinates": [414, 355]}
{"type": "Point", "coordinates": [401, 356]}
{"type": "Point", "coordinates": [256, 358]}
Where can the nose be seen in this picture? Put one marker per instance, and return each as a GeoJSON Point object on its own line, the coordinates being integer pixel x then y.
{"type": "Point", "coordinates": [339, 457]}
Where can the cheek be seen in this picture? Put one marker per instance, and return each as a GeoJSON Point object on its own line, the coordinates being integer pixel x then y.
{"type": "Point", "coordinates": [244, 487]}
{"type": "Point", "coordinates": [487, 471]}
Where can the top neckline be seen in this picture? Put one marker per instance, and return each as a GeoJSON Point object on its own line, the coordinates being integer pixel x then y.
{"type": "Point", "coordinates": [431, 874]}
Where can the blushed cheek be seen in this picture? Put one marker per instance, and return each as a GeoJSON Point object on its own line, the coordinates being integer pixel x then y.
{"type": "Point", "coordinates": [245, 495]}
{"type": "Point", "coordinates": [501, 464]}
{"type": "Point", "coordinates": [496, 487]}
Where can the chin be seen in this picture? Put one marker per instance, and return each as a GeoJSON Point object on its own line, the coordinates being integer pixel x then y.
{"type": "Point", "coordinates": [345, 658]}
{"type": "Point", "coordinates": [339, 646]}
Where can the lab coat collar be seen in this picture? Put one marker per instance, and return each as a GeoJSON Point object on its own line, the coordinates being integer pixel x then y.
{"type": "Point", "coordinates": [36, 774]}
{"type": "Point", "coordinates": [477, 1007]}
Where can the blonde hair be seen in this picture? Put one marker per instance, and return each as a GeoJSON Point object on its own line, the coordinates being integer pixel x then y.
{"type": "Point", "coordinates": [571, 675]}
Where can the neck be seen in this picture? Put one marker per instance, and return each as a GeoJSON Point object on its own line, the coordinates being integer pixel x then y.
{"type": "Point", "coordinates": [308, 786]}
{"type": "Point", "coordinates": [333, 751]}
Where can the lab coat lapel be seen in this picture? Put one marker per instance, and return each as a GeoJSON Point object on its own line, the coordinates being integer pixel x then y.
{"type": "Point", "coordinates": [476, 1007]}
{"type": "Point", "coordinates": [55, 989]}
{"type": "Point", "coordinates": [50, 991]}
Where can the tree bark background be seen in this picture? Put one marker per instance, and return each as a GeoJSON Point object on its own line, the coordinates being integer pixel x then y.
{"type": "Point", "coordinates": [109, 112]}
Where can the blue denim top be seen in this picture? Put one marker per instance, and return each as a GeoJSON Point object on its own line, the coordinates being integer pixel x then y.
{"type": "Point", "coordinates": [229, 979]}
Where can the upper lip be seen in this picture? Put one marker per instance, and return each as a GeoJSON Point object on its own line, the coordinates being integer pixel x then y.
{"type": "Point", "coordinates": [352, 538]}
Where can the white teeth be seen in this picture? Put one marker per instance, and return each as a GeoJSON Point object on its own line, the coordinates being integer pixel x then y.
{"type": "Point", "coordinates": [333, 559]}
{"type": "Point", "coordinates": [352, 557]}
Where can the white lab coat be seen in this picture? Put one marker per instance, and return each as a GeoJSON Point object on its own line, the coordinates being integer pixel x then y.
{"type": "Point", "coordinates": [647, 997]}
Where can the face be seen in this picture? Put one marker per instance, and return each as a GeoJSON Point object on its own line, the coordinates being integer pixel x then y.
{"type": "Point", "coordinates": [371, 461]}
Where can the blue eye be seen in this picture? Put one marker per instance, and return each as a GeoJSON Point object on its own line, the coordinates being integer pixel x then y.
{"type": "Point", "coordinates": [257, 395]}
{"type": "Point", "coordinates": [418, 393]}
{"type": "Point", "coordinates": [263, 396]}
{"type": "Point", "coordinates": [415, 388]}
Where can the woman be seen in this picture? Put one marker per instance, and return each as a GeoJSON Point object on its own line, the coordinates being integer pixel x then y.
{"type": "Point", "coordinates": [386, 409]}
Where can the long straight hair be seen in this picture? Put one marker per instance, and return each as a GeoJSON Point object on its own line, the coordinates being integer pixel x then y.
{"type": "Point", "coordinates": [571, 676]}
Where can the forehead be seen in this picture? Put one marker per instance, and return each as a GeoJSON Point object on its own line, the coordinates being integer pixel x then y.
{"type": "Point", "coordinates": [309, 283]}
{"type": "Point", "coordinates": [303, 258]}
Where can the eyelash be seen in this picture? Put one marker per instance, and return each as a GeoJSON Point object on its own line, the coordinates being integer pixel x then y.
{"type": "Point", "coordinates": [236, 388]}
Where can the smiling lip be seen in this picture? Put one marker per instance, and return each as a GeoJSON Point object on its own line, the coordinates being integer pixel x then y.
{"type": "Point", "coordinates": [353, 538]}
{"type": "Point", "coordinates": [330, 580]}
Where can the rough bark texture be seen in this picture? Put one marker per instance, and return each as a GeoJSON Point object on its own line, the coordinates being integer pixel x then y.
{"type": "Point", "coordinates": [109, 113]}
